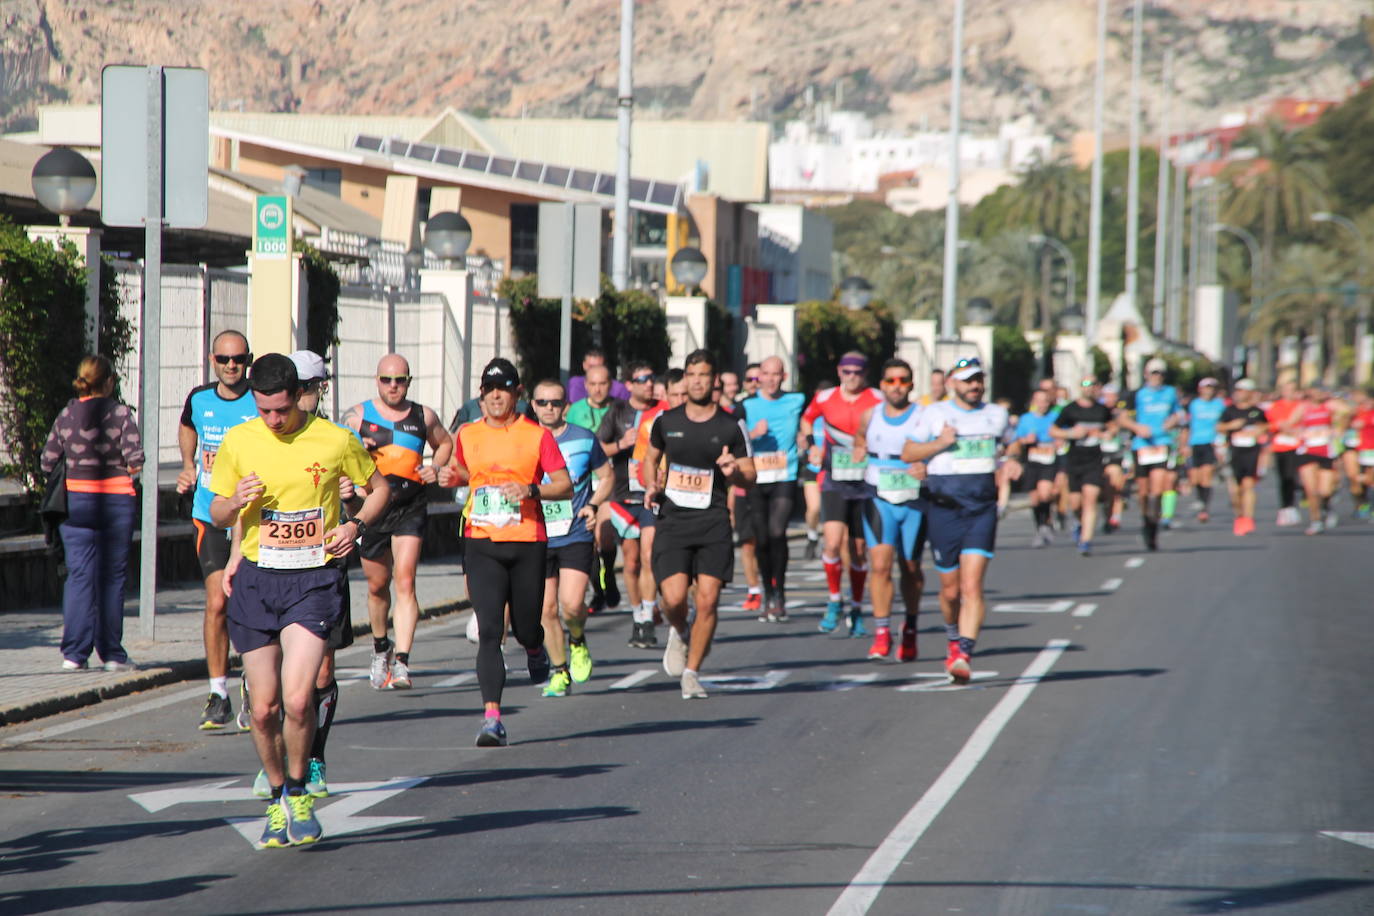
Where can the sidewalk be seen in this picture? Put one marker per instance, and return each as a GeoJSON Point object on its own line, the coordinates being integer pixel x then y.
{"type": "Point", "coordinates": [32, 683]}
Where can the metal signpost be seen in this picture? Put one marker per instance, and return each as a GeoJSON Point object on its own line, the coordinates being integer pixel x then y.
{"type": "Point", "coordinates": [155, 157]}
{"type": "Point", "coordinates": [569, 264]}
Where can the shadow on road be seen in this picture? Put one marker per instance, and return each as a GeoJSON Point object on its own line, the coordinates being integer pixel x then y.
{"type": "Point", "coordinates": [21, 903]}
{"type": "Point", "coordinates": [653, 728]}
{"type": "Point", "coordinates": [27, 782]}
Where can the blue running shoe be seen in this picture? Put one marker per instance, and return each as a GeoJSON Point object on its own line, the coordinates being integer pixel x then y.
{"type": "Point", "coordinates": [314, 780]}
{"type": "Point", "coordinates": [301, 825]}
{"type": "Point", "coordinates": [493, 734]}
{"type": "Point", "coordinates": [274, 835]}
{"type": "Point", "coordinates": [856, 623]}
{"type": "Point", "coordinates": [831, 620]}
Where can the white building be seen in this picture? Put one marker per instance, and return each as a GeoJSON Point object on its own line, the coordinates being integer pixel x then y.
{"type": "Point", "coordinates": [795, 245]}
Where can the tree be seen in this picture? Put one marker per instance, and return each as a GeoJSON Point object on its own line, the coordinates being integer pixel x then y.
{"type": "Point", "coordinates": [1006, 270]}
{"type": "Point", "coordinates": [1052, 197]}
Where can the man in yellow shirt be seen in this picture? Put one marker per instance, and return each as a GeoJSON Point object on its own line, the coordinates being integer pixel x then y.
{"type": "Point", "coordinates": [278, 476]}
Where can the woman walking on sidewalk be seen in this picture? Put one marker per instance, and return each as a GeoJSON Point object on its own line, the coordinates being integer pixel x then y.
{"type": "Point", "coordinates": [99, 440]}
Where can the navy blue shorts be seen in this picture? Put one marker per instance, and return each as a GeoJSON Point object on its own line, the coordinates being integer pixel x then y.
{"type": "Point", "coordinates": [266, 601]}
{"type": "Point", "coordinates": [955, 531]}
{"type": "Point", "coordinates": [895, 525]}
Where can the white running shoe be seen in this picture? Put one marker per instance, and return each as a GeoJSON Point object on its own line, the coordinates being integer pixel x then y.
{"type": "Point", "coordinates": [400, 675]}
{"type": "Point", "coordinates": [380, 674]}
{"type": "Point", "coordinates": [675, 656]}
{"type": "Point", "coordinates": [691, 687]}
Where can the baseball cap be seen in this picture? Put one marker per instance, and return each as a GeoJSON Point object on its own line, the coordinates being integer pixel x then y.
{"type": "Point", "coordinates": [500, 374]}
{"type": "Point", "coordinates": [966, 369]}
{"type": "Point", "coordinates": [1208, 381]}
{"type": "Point", "coordinates": [309, 366]}
{"type": "Point", "coordinates": [1246, 384]}
{"type": "Point", "coordinates": [1156, 365]}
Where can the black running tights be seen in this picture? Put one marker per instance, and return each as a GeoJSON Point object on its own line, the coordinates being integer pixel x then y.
{"type": "Point", "coordinates": [1286, 468]}
{"type": "Point", "coordinates": [501, 572]}
{"type": "Point", "coordinates": [771, 506]}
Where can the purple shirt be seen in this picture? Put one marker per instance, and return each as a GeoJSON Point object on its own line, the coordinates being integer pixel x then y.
{"type": "Point", "coordinates": [577, 389]}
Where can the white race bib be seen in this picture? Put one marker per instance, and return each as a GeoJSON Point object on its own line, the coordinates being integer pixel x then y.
{"type": "Point", "coordinates": [491, 509]}
{"type": "Point", "coordinates": [1042, 454]}
{"type": "Point", "coordinates": [1244, 440]}
{"type": "Point", "coordinates": [844, 467]}
{"type": "Point", "coordinates": [1286, 440]}
{"type": "Point", "coordinates": [1152, 455]}
{"type": "Point", "coordinates": [291, 540]}
{"type": "Point", "coordinates": [895, 485]}
{"type": "Point", "coordinates": [978, 455]}
{"type": "Point", "coordinates": [558, 517]}
{"type": "Point", "coordinates": [689, 487]}
{"type": "Point", "coordinates": [1367, 458]}
{"type": "Point", "coordinates": [770, 467]}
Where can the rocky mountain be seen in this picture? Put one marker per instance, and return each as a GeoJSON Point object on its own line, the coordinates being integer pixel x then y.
{"type": "Point", "coordinates": [710, 59]}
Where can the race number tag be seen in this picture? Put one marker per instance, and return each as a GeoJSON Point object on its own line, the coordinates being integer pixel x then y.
{"type": "Point", "coordinates": [895, 485]}
{"type": "Point", "coordinates": [1243, 440]}
{"type": "Point", "coordinates": [1352, 438]}
{"type": "Point", "coordinates": [1286, 441]}
{"type": "Point", "coordinates": [1367, 457]}
{"type": "Point", "coordinates": [1041, 454]}
{"type": "Point", "coordinates": [690, 488]}
{"type": "Point", "coordinates": [978, 455]}
{"type": "Point", "coordinates": [844, 467]}
{"type": "Point", "coordinates": [771, 467]}
{"type": "Point", "coordinates": [1317, 442]}
{"type": "Point", "coordinates": [558, 517]}
{"type": "Point", "coordinates": [291, 540]}
{"type": "Point", "coordinates": [207, 465]}
{"type": "Point", "coordinates": [1152, 455]}
{"type": "Point", "coordinates": [636, 484]}
{"type": "Point", "coordinates": [1111, 446]}
{"type": "Point", "coordinates": [491, 509]}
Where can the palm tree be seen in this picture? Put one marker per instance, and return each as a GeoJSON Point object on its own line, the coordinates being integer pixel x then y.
{"type": "Point", "coordinates": [1052, 197]}
{"type": "Point", "coordinates": [1006, 270]}
{"type": "Point", "coordinates": [1307, 298]}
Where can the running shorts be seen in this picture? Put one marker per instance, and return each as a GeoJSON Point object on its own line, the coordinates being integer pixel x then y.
{"type": "Point", "coordinates": [900, 525]}
{"type": "Point", "coordinates": [341, 637]}
{"type": "Point", "coordinates": [397, 521]}
{"type": "Point", "coordinates": [1321, 461]}
{"type": "Point", "coordinates": [266, 601]}
{"type": "Point", "coordinates": [695, 546]}
{"type": "Point", "coordinates": [577, 556]}
{"type": "Point", "coordinates": [1033, 473]}
{"type": "Point", "coordinates": [1245, 462]}
{"type": "Point", "coordinates": [629, 519]}
{"type": "Point", "coordinates": [806, 473]}
{"type": "Point", "coordinates": [1143, 470]}
{"type": "Point", "coordinates": [212, 547]}
{"type": "Point", "coordinates": [745, 529]}
{"type": "Point", "coordinates": [836, 508]}
{"type": "Point", "coordinates": [1204, 455]}
{"type": "Point", "coordinates": [1088, 473]}
{"type": "Point", "coordinates": [957, 530]}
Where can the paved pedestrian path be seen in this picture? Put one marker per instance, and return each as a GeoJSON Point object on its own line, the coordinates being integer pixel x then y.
{"type": "Point", "coordinates": [32, 683]}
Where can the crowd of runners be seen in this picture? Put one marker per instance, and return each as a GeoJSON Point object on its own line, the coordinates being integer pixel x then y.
{"type": "Point", "coordinates": [673, 476]}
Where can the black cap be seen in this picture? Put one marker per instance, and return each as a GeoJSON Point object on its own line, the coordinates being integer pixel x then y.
{"type": "Point", "coordinates": [273, 372]}
{"type": "Point", "coordinates": [500, 374]}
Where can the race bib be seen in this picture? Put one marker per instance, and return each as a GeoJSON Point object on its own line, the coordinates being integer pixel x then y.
{"type": "Point", "coordinates": [1042, 454]}
{"type": "Point", "coordinates": [690, 488]}
{"type": "Point", "coordinates": [895, 485]}
{"type": "Point", "coordinates": [771, 467]}
{"type": "Point", "coordinates": [558, 517]}
{"type": "Point", "coordinates": [1089, 442]}
{"type": "Point", "coordinates": [491, 509]}
{"type": "Point", "coordinates": [207, 465]}
{"type": "Point", "coordinates": [1317, 440]}
{"type": "Point", "coordinates": [1367, 457]}
{"type": "Point", "coordinates": [1111, 446]}
{"type": "Point", "coordinates": [291, 540]}
{"type": "Point", "coordinates": [636, 485]}
{"type": "Point", "coordinates": [1286, 441]}
{"type": "Point", "coordinates": [978, 455]}
{"type": "Point", "coordinates": [1244, 440]}
{"type": "Point", "coordinates": [1152, 455]}
{"type": "Point", "coordinates": [1352, 438]}
{"type": "Point", "coordinates": [844, 467]}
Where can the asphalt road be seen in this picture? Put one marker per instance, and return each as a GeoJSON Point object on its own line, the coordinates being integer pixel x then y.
{"type": "Point", "coordinates": [1178, 732]}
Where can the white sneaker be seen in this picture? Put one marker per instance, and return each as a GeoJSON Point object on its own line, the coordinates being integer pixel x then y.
{"type": "Point", "coordinates": [400, 675]}
{"type": "Point", "coordinates": [125, 665]}
{"type": "Point", "coordinates": [1332, 519]}
{"type": "Point", "coordinates": [675, 656]}
{"type": "Point", "coordinates": [69, 665]}
{"type": "Point", "coordinates": [473, 635]}
{"type": "Point", "coordinates": [691, 687]}
{"type": "Point", "coordinates": [380, 672]}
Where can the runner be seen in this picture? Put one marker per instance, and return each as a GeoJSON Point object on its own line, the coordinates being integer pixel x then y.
{"type": "Point", "coordinates": [577, 385]}
{"type": "Point", "coordinates": [1083, 424]}
{"type": "Point", "coordinates": [1151, 413]}
{"type": "Point", "coordinates": [1035, 445]}
{"type": "Point", "coordinates": [808, 475]}
{"type": "Point", "coordinates": [843, 489]}
{"type": "Point", "coordinates": [623, 517]}
{"type": "Point", "coordinates": [1113, 463]}
{"type": "Point", "coordinates": [773, 420]}
{"type": "Point", "coordinates": [894, 525]}
{"type": "Point", "coordinates": [588, 413]}
{"type": "Point", "coordinates": [751, 382]}
{"type": "Point", "coordinates": [705, 450]}
{"type": "Point", "coordinates": [394, 430]}
{"type": "Point", "coordinates": [210, 411]}
{"type": "Point", "coordinates": [1361, 414]}
{"type": "Point", "coordinates": [1320, 421]}
{"type": "Point", "coordinates": [501, 459]}
{"type": "Point", "coordinates": [730, 393]}
{"type": "Point", "coordinates": [939, 390]}
{"type": "Point", "coordinates": [958, 439]}
{"type": "Point", "coordinates": [571, 555]}
{"type": "Point", "coordinates": [1284, 447]}
{"type": "Point", "coordinates": [1204, 411]}
{"type": "Point", "coordinates": [1244, 423]}
{"type": "Point", "coordinates": [278, 476]}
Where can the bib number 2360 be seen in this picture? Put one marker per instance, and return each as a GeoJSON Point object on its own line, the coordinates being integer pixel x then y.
{"type": "Point", "coordinates": [291, 540]}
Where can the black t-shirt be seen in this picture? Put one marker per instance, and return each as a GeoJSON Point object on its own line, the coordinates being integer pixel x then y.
{"type": "Point", "coordinates": [690, 451]}
{"type": "Point", "coordinates": [618, 420]}
{"type": "Point", "coordinates": [1094, 416]}
{"type": "Point", "coordinates": [1253, 416]}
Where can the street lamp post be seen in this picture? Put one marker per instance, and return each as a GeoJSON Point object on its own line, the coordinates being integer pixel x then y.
{"type": "Point", "coordinates": [1256, 262]}
{"type": "Point", "coordinates": [689, 268]}
{"type": "Point", "coordinates": [64, 182]}
{"type": "Point", "coordinates": [951, 278]}
{"type": "Point", "coordinates": [855, 292]}
{"type": "Point", "coordinates": [1067, 255]}
{"type": "Point", "coordinates": [1362, 354]}
{"type": "Point", "coordinates": [1095, 205]}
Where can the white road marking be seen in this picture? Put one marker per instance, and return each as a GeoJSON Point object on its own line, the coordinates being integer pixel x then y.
{"type": "Point", "coordinates": [630, 680]}
{"type": "Point", "coordinates": [1135, 562]}
{"type": "Point", "coordinates": [870, 880]}
{"type": "Point", "coordinates": [850, 681]}
{"type": "Point", "coordinates": [457, 680]}
{"type": "Point", "coordinates": [1111, 585]}
{"type": "Point", "coordinates": [744, 681]}
{"type": "Point", "coordinates": [1032, 607]}
{"type": "Point", "coordinates": [940, 682]}
{"type": "Point", "coordinates": [1084, 610]}
{"type": "Point", "coordinates": [1358, 838]}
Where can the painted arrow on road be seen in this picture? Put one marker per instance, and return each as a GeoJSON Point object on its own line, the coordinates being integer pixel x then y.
{"type": "Point", "coordinates": [1359, 839]}
{"type": "Point", "coordinates": [744, 682]}
{"type": "Point", "coordinates": [1032, 607]}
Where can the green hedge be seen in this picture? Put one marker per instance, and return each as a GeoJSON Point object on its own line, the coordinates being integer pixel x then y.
{"type": "Point", "coordinates": [1013, 366]}
{"type": "Point", "coordinates": [322, 282]}
{"type": "Point", "coordinates": [827, 330]}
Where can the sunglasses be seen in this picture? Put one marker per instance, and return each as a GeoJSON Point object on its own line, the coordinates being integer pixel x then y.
{"type": "Point", "coordinates": [752, 378]}
{"type": "Point", "coordinates": [968, 361]}
{"type": "Point", "coordinates": [549, 402]}
{"type": "Point", "coordinates": [851, 372]}
{"type": "Point", "coordinates": [486, 389]}
{"type": "Point", "coordinates": [642, 379]}
{"type": "Point", "coordinates": [394, 379]}
{"type": "Point", "coordinates": [238, 359]}
{"type": "Point", "coordinates": [1088, 383]}
{"type": "Point", "coordinates": [903, 382]}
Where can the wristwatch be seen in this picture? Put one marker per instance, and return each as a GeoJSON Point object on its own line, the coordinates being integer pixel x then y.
{"type": "Point", "coordinates": [534, 491]}
{"type": "Point", "coordinates": [361, 525]}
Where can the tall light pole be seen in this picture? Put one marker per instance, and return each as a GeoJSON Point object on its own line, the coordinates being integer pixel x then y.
{"type": "Point", "coordinates": [1256, 262]}
{"type": "Point", "coordinates": [1162, 207]}
{"type": "Point", "coordinates": [947, 318]}
{"type": "Point", "coordinates": [1095, 214]}
{"type": "Point", "coordinates": [1133, 167]}
{"type": "Point", "coordinates": [1362, 348]}
{"type": "Point", "coordinates": [620, 240]}
{"type": "Point", "coordinates": [1067, 255]}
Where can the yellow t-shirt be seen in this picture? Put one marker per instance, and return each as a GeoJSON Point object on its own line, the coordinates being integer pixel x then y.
{"type": "Point", "coordinates": [300, 474]}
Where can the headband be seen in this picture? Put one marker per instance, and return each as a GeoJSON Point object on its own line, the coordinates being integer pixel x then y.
{"type": "Point", "coordinates": [856, 361]}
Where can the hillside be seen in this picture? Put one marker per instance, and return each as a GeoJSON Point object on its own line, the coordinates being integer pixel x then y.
{"type": "Point", "coordinates": [712, 59]}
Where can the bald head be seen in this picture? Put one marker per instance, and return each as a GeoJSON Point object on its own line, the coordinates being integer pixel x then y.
{"type": "Point", "coordinates": [393, 379]}
{"type": "Point", "coordinates": [598, 384]}
{"type": "Point", "coordinates": [772, 372]}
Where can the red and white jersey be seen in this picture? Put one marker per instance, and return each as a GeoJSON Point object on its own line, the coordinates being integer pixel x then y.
{"type": "Point", "coordinates": [1317, 432]}
{"type": "Point", "coordinates": [841, 416]}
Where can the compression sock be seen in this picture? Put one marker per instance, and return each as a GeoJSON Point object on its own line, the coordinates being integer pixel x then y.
{"type": "Point", "coordinates": [219, 686]}
{"type": "Point", "coordinates": [1151, 509]}
{"type": "Point", "coordinates": [952, 632]}
{"type": "Point", "coordinates": [858, 575]}
{"type": "Point", "coordinates": [966, 645]}
{"type": "Point", "coordinates": [1041, 511]}
{"type": "Point", "coordinates": [326, 702]}
{"type": "Point", "coordinates": [1204, 495]}
{"type": "Point", "coordinates": [833, 568]}
{"type": "Point", "coordinates": [493, 714]}
{"type": "Point", "coordinates": [1167, 504]}
{"type": "Point", "coordinates": [380, 645]}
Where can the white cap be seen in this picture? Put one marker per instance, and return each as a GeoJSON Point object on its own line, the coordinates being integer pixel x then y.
{"type": "Point", "coordinates": [309, 365]}
{"type": "Point", "coordinates": [966, 369]}
{"type": "Point", "coordinates": [1209, 382]}
{"type": "Point", "coordinates": [1246, 384]}
{"type": "Point", "coordinates": [1156, 365]}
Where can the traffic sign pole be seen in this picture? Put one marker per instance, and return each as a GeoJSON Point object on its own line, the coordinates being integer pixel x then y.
{"type": "Point", "coordinates": [150, 348]}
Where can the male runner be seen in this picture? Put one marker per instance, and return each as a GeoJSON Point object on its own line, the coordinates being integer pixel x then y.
{"type": "Point", "coordinates": [773, 420]}
{"type": "Point", "coordinates": [1284, 447]}
{"type": "Point", "coordinates": [730, 390]}
{"type": "Point", "coordinates": [624, 517]}
{"type": "Point", "coordinates": [210, 411]}
{"type": "Point", "coordinates": [1204, 412]}
{"type": "Point", "coordinates": [959, 440]}
{"type": "Point", "coordinates": [577, 385]}
{"type": "Point", "coordinates": [1360, 443]}
{"type": "Point", "coordinates": [939, 389]}
{"type": "Point", "coordinates": [843, 489]}
{"type": "Point", "coordinates": [750, 387]}
{"type": "Point", "coordinates": [1320, 421]}
{"type": "Point", "coordinates": [1247, 429]}
{"type": "Point", "coordinates": [706, 450]}
{"type": "Point", "coordinates": [589, 411]}
{"type": "Point", "coordinates": [1036, 446]}
{"type": "Point", "coordinates": [278, 476]}
{"type": "Point", "coordinates": [394, 430]}
{"type": "Point", "coordinates": [894, 525]}
{"type": "Point", "coordinates": [1152, 412]}
{"type": "Point", "coordinates": [1113, 462]}
{"type": "Point", "coordinates": [571, 554]}
{"type": "Point", "coordinates": [1082, 424]}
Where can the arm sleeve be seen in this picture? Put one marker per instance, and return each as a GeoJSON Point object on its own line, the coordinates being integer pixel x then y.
{"type": "Point", "coordinates": [550, 458]}
{"type": "Point", "coordinates": [187, 416]}
{"type": "Point", "coordinates": [52, 449]}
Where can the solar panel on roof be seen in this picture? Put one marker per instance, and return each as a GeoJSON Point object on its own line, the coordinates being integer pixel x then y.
{"type": "Point", "coordinates": [422, 151]}
{"type": "Point", "coordinates": [639, 189]}
{"type": "Point", "coordinates": [453, 157]}
{"type": "Point", "coordinates": [605, 184]}
{"type": "Point", "coordinates": [529, 171]}
{"type": "Point", "coordinates": [556, 175]}
{"type": "Point", "coordinates": [664, 195]}
{"type": "Point", "coordinates": [475, 161]}
{"type": "Point", "coordinates": [583, 180]}
{"type": "Point", "coordinates": [502, 166]}
{"type": "Point", "coordinates": [362, 141]}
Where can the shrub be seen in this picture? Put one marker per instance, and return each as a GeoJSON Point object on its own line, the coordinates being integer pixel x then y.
{"type": "Point", "coordinates": [1013, 366]}
{"type": "Point", "coordinates": [826, 330]}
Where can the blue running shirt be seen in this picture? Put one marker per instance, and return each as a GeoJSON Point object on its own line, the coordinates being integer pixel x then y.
{"type": "Point", "coordinates": [211, 416]}
{"type": "Point", "coordinates": [783, 416]}
{"type": "Point", "coordinates": [583, 455]}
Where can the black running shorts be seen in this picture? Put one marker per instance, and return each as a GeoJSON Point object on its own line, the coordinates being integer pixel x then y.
{"type": "Point", "coordinates": [267, 601]}
{"type": "Point", "coordinates": [578, 556]}
{"type": "Point", "coordinates": [695, 546]}
{"type": "Point", "coordinates": [212, 548]}
{"type": "Point", "coordinates": [396, 521]}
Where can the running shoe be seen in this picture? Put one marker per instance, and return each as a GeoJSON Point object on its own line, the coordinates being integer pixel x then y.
{"type": "Point", "coordinates": [957, 665]}
{"type": "Point", "coordinates": [558, 684]}
{"type": "Point", "coordinates": [1362, 511]}
{"type": "Point", "coordinates": [380, 674]}
{"type": "Point", "coordinates": [1113, 524]}
{"type": "Point", "coordinates": [400, 675]}
{"type": "Point", "coordinates": [315, 783]}
{"type": "Point", "coordinates": [301, 824]}
{"type": "Point", "coordinates": [650, 635]}
{"type": "Point", "coordinates": [675, 655]}
{"type": "Point", "coordinates": [597, 604]}
{"type": "Point", "coordinates": [245, 717]}
{"type": "Point", "coordinates": [691, 687]}
{"type": "Point", "coordinates": [262, 788]}
{"type": "Point", "coordinates": [217, 712]}
{"type": "Point", "coordinates": [1151, 531]}
{"type": "Point", "coordinates": [274, 834]}
{"type": "Point", "coordinates": [753, 602]}
{"type": "Point", "coordinates": [906, 652]}
{"type": "Point", "coordinates": [120, 666]}
{"type": "Point", "coordinates": [1085, 548]}
{"type": "Point", "coordinates": [1315, 528]}
{"type": "Point", "coordinates": [855, 622]}
{"type": "Point", "coordinates": [1204, 516]}
{"type": "Point", "coordinates": [831, 620]}
{"type": "Point", "coordinates": [71, 664]}
{"type": "Point", "coordinates": [809, 553]}
{"type": "Point", "coordinates": [637, 636]}
{"type": "Point", "coordinates": [882, 644]}
{"type": "Point", "coordinates": [611, 591]}
{"type": "Point", "coordinates": [579, 661]}
{"type": "Point", "coordinates": [777, 608]}
{"type": "Point", "coordinates": [1238, 527]}
{"type": "Point", "coordinates": [538, 664]}
{"type": "Point", "coordinates": [1332, 520]}
{"type": "Point", "coordinates": [493, 734]}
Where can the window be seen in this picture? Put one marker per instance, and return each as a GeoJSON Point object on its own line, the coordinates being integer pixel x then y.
{"type": "Point", "coordinates": [651, 229]}
{"type": "Point", "coordinates": [330, 181]}
{"type": "Point", "coordinates": [524, 237]}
